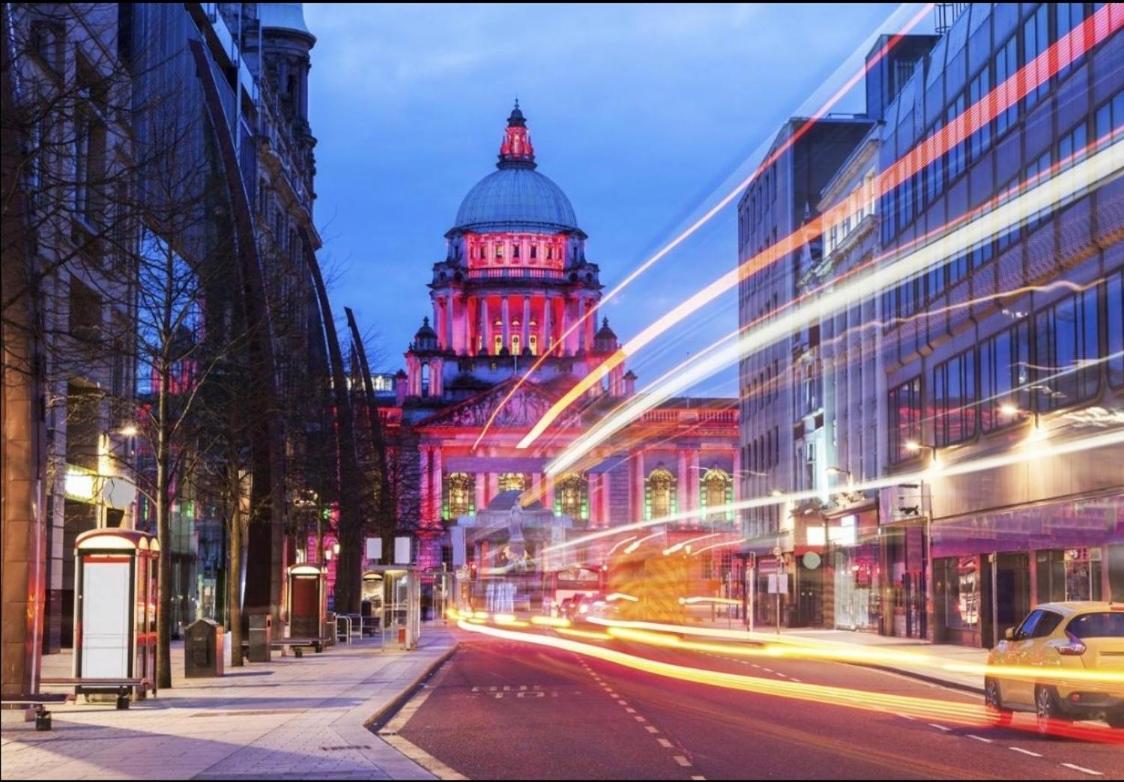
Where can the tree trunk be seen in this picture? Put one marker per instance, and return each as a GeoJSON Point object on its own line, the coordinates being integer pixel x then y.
{"type": "Point", "coordinates": [234, 572]}
{"type": "Point", "coordinates": [163, 534]}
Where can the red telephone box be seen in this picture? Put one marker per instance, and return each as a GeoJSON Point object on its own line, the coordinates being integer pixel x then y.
{"type": "Point", "coordinates": [116, 603]}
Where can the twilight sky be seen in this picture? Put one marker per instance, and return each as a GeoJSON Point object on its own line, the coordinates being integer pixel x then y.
{"type": "Point", "coordinates": [641, 113]}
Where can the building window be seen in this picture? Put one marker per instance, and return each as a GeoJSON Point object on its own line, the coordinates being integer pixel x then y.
{"type": "Point", "coordinates": [571, 496]}
{"type": "Point", "coordinates": [905, 418]}
{"type": "Point", "coordinates": [1006, 66]}
{"type": "Point", "coordinates": [516, 346]}
{"type": "Point", "coordinates": [1067, 17]}
{"type": "Point", "coordinates": [1109, 117]}
{"type": "Point", "coordinates": [1114, 311]}
{"type": "Point", "coordinates": [533, 342]}
{"type": "Point", "coordinates": [498, 346]}
{"type": "Point", "coordinates": [1068, 348]}
{"type": "Point", "coordinates": [460, 495]}
{"type": "Point", "coordinates": [953, 392]}
{"type": "Point", "coordinates": [1004, 375]}
{"type": "Point", "coordinates": [513, 481]}
{"type": "Point", "coordinates": [1035, 41]}
{"type": "Point", "coordinates": [659, 492]}
{"type": "Point", "coordinates": [717, 492]}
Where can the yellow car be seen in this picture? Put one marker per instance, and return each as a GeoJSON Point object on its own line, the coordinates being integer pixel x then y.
{"type": "Point", "coordinates": [1059, 638]}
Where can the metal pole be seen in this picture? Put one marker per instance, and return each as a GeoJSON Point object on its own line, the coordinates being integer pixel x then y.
{"type": "Point", "coordinates": [752, 595]}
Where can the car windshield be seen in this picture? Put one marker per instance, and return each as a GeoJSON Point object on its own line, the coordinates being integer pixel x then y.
{"type": "Point", "coordinates": [1104, 624]}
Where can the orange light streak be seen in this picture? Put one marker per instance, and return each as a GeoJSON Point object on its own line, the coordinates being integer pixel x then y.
{"type": "Point", "coordinates": [1096, 28]}
{"type": "Point", "coordinates": [603, 369]}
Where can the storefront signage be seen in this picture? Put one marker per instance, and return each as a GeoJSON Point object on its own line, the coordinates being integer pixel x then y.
{"type": "Point", "coordinates": [811, 560]}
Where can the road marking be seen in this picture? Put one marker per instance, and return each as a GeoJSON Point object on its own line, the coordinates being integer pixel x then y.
{"type": "Point", "coordinates": [492, 689]}
{"type": "Point", "coordinates": [1083, 770]}
{"type": "Point", "coordinates": [422, 758]}
{"type": "Point", "coordinates": [907, 717]}
{"type": "Point", "coordinates": [782, 675]}
{"type": "Point", "coordinates": [630, 710]}
{"type": "Point", "coordinates": [767, 670]}
{"type": "Point", "coordinates": [476, 689]}
{"type": "Point", "coordinates": [497, 695]}
{"type": "Point", "coordinates": [664, 743]}
{"type": "Point", "coordinates": [622, 702]}
{"type": "Point", "coordinates": [939, 727]}
{"type": "Point", "coordinates": [638, 718]}
{"type": "Point", "coordinates": [1025, 751]}
{"type": "Point", "coordinates": [522, 686]}
{"type": "Point", "coordinates": [682, 761]}
{"type": "Point", "coordinates": [978, 738]}
{"type": "Point", "coordinates": [698, 776]}
{"type": "Point", "coordinates": [793, 679]}
{"type": "Point", "coordinates": [651, 729]}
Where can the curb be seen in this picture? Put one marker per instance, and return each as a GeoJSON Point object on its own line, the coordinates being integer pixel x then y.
{"type": "Point", "coordinates": [921, 677]}
{"type": "Point", "coordinates": [384, 714]}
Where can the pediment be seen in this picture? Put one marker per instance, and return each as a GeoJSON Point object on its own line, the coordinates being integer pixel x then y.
{"type": "Point", "coordinates": [523, 410]}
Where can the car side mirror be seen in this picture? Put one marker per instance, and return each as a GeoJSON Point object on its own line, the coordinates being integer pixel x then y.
{"type": "Point", "coordinates": [1009, 633]}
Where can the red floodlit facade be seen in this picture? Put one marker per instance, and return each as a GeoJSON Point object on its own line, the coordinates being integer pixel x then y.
{"type": "Point", "coordinates": [516, 295]}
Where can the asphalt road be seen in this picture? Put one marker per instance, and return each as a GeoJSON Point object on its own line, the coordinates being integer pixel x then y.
{"type": "Point", "coordinates": [507, 710]}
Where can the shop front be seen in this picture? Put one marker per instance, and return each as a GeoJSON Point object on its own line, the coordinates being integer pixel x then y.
{"type": "Point", "coordinates": [856, 570]}
{"type": "Point", "coordinates": [991, 569]}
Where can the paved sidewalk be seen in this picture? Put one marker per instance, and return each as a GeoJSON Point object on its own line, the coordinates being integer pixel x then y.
{"type": "Point", "coordinates": [288, 719]}
{"type": "Point", "coordinates": [933, 662]}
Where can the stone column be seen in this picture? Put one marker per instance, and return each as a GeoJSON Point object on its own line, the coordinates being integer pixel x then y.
{"type": "Point", "coordinates": [485, 325]}
{"type": "Point", "coordinates": [547, 306]}
{"type": "Point", "coordinates": [424, 484]}
{"type": "Point", "coordinates": [505, 315]}
{"type": "Point", "coordinates": [493, 485]}
{"type": "Point", "coordinates": [438, 488]}
{"type": "Point", "coordinates": [523, 344]}
{"type": "Point", "coordinates": [450, 322]}
{"type": "Point", "coordinates": [606, 505]}
{"type": "Point", "coordinates": [637, 508]}
{"type": "Point", "coordinates": [478, 487]}
{"type": "Point", "coordinates": [590, 324]}
{"type": "Point", "coordinates": [684, 487]}
{"type": "Point", "coordinates": [548, 492]}
{"type": "Point", "coordinates": [694, 483]}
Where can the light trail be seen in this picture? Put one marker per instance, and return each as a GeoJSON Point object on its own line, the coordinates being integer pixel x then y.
{"type": "Point", "coordinates": [1096, 28]}
{"type": "Point", "coordinates": [722, 203]}
{"type": "Point", "coordinates": [975, 714]}
{"type": "Point", "coordinates": [1080, 178]}
{"type": "Point", "coordinates": [848, 653]}
{"type": "Point", "coordinates": [724, 544]}
{"type": "Point", "coordinates": [1029, 452]}
{"type": "Point", "coordinates": [683, 543]}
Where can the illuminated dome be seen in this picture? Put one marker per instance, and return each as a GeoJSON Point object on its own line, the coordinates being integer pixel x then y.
{"type": "Point", "coordinates": [516, 197]}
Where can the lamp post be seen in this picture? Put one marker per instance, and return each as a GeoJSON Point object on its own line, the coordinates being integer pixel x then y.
{"type": "Point", "coordinates": [927, 547]}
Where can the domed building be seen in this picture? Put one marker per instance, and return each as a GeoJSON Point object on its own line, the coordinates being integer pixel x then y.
{"type": "Point", "coordinates": [513, 327]}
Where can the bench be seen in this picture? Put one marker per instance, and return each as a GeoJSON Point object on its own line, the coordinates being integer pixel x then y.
{"type": "Point", "coordinates": [83, 685]}
{"type": "Point", "coordinates": [296, 643]}
{"type": "Point", "coordinates": [39, 701]}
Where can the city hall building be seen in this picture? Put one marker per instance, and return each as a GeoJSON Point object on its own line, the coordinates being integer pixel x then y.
{"type": "Point", "coordinates": [514, 294]}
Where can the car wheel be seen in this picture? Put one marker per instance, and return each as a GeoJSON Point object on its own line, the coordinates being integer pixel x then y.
{"type": "Point", "coordinates": [994, 703]}
{"type": "Point", "coordinates": [1046, 709]}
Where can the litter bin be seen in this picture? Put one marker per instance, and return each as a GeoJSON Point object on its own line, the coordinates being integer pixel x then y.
{"type": "Point", "coordinates": [261, 638]}
{"type": "Point", "coordinates": [203, 649]}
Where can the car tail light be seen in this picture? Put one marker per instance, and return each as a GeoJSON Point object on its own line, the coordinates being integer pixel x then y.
{"type": "Point", "coordinates": [1072, 646]}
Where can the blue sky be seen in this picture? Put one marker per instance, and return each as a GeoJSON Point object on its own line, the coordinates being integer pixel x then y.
{"type": "Point", "coordinates": [640, 113]}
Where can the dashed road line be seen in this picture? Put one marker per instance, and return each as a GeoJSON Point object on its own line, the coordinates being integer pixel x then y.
{"type": "Point", "coordinates": [630, 710]}
{"type": "Point", "coordinates": [939, 727]}
{"type": "Point", "coordinates": [978, 738]}
{"type": "Point", "coordinates": [651, 729]}
{"type": "Point", "coordinates": [1025, 751]}
{"type": "Point", "coordinates": [1083, 770]}
{"type": "Point", "coordinates": [664, 743]}
{"type": "Point", "coordinates": [682, 761]}
{"type": "Point", "coordinates": [638, 718]}
{"type": "Point", "coordinates": [907, 717]}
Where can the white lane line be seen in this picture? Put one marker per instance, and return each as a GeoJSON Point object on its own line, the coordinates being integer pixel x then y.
{"type": "Point", "coordinates": [767, 670]}
{"type": "Point", "coordinates": [630, 710]}
{"type": "Point", "coordinates": [1025, 751]}
{"type": "Point", "coordinates": [638, 718]}
{"type": "Point", "coordinates": [682, 761]}
{"type": "Point", "coordinates": [793, 679]}
{"type": "Point", "coordinates": [664, 743]}
{"type": "Point", "coordinates": [907, 717]}
{"type": "Point", "coordinates": [698, 776]}
{"type": "Point", "coordinates": [651, 729]}
{"type": "Point", "coordinates": [939, 727]}
{"type": "Point", "coordinates": [978, 738]}
{"type": "Point", "coordinates": [782, 675]}
{"type": "Point", "coordinates": [1083, 770]}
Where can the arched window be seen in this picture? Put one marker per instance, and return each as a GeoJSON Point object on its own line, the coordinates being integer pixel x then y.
{"type": "Point", "coordinates": [571, 496]}
{"type": "Point", "coordinates": [460, 495]}
{"type": "Point", "coordinates": [425, 379]}
{"type": "Point", "coordinates": [516, 347]}
{"type": "Point", "coordinates": [498, 344]}
{"type": "Point", "coordinates": [513, 481]}
{"type": "Point", "coordinates": [659, 494]}
{"type": "Point", "coordinates": [717, 490]}
{"type": "Point", "coordinates": [533, 342]}
{"type": "Point", "coordinates": [515, 251]}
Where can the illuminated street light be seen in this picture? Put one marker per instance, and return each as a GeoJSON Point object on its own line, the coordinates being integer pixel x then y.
{"type": "Point", "coordinates": [128, 430]}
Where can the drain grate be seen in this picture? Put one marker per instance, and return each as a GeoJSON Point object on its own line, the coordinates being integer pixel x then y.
{"type": "Point", "coordinates": [344, 747]}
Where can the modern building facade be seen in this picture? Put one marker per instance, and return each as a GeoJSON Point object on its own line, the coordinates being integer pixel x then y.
{"type": "Point", "coordinates": [1007, 349]}
{"type": "Point", "coordinates": [1012, 345]}
{"type": "Point", "coordinates": [513, 305]}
